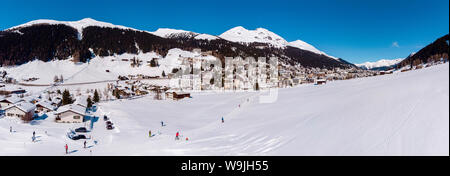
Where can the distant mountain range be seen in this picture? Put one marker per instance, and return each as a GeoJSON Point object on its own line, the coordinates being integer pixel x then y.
{"type": "Point", "coordinates": [49, 39]}
{"type": "Point", "coordinates": [435, 51]}
{"type": "Point", "coordinates": [382, 64]}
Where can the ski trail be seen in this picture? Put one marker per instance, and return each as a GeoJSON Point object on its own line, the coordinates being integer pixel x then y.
{"type": "Point", "coordinates": [236, 110]}
{"type": "Point", "coordinates": [388, 139]}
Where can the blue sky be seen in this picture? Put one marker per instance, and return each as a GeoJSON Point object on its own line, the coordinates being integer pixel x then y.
{"type": "Point", "coordinates": [356, 31]}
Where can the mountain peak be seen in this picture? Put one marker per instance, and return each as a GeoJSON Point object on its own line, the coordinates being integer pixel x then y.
{"type": "Point", "coordinates": [379, 63]}
{"type": "Point", "coordinates": [88, 20]}
{"type": "Point", "coordinates": [260, 35]}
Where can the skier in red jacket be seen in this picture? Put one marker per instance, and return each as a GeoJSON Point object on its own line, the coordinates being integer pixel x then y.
{"type": "Point", "coordinates": [177, 136]}
{"type": "Point", "coordinates": [67, 149]}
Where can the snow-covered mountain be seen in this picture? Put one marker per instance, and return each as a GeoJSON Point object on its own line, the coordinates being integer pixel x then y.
{"type": "Point", "coordinates": [379, 64]}
{"type": "Point", "coordinates": [177, 33]}
{"type": "Point", "coordinates": [87, 38]}
{"type": "Point", "coordinates": [261, 35]}
{"type": "Point", "coordinates": [173, 33]}
{"type": "Point", "coordinates": [78, 25]}
{"type": "Point", "coordinates": [306, 46]}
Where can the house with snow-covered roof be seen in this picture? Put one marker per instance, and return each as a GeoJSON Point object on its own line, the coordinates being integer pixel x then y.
{"type": "Point", "coordinates": [320, 81]}
{"type": "Point", "coordinates": [31, 99]}
{"type": "Point", "coordinates": [5, 102]}
{"type": "Point", "coordinates": [71, 113]}
{"type": "Point", "coordinates": [22, 110]}
{"type": "Point", "coordinates": [176, 95]}
{"type": "Point", "coordinates": [44, 106]}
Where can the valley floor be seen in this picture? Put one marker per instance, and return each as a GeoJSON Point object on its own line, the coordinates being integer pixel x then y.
{"type": "Point", "coordinates": [399, 114]}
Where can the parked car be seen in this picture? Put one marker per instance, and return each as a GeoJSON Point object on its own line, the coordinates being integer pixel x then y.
{"type": "Point", "coordinates": [78, 137]}
{"type": "Point", "coordinates": [81, 130]}
{"type": "Point", "coordinates": [109, 127]}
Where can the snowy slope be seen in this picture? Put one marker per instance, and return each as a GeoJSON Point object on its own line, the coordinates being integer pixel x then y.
{"type": "Point", "coordinates": [308, 47]}
{"type": "Point", "coordinates": [380, 63]}
{"type": "Point", "coordinates": [206, 37]}
{"type": "Point", "coordinates": [405, 113]}
{"type": "Point", "coordinates": [96, 69]}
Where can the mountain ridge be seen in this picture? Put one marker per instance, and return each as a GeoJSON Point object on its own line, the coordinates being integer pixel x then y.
{"type": "Point", "coordinates": [380, 64]}
{"type": "Point", "coordinates": [50, 39]}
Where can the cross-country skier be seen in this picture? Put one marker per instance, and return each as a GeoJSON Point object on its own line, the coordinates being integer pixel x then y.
{"type": "Point", "coordinates": [67, 149]}
{"type": "Point", "coordinates": [177, 136]}
{"type": "Point", "coordinates": [84, 144]}
{"type": "Point", "coordinates": [223, 121]}
{"type": "Point", "coordinates": [34, 133]}
{"type": "Point", "coordinates": [149, 133]}
{"type": "Point", "coordinates": [10, 129]}
{"type": "Point", "coordinates": [162, 123]}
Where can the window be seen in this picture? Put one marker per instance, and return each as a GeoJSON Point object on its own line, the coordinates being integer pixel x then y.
{"type": "Point", "coordinates": [76, 117]}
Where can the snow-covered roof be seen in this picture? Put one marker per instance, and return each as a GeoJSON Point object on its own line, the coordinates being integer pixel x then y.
{"type": "Point", "coordinates": [12, 99]}
{"type": "Point", "coordinates": [82, 101]}
{"type": "Point", "coordinates": [23, 106]}
{"type": "Point", "coordinates": [71, 107]}
{"type": "Point", "coordinates": [29, 98]}
{"type": "Point", "coordinates": [56, 100]}
{"type": "Point", "coordinates": [46, 104]}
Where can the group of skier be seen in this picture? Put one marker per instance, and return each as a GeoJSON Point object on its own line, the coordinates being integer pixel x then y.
{"type": "Point", "coordinates": [177, 135]}
{"type": "Point", "coordinates": [84, 146]}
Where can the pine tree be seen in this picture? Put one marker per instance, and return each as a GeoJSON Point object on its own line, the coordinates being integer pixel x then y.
{"type": "Point", "coordinates": [89, 102]}
{"type": "Point", "coordinates": [66, 99]}
{"type": "Point", "coordinates": [96, 97]}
